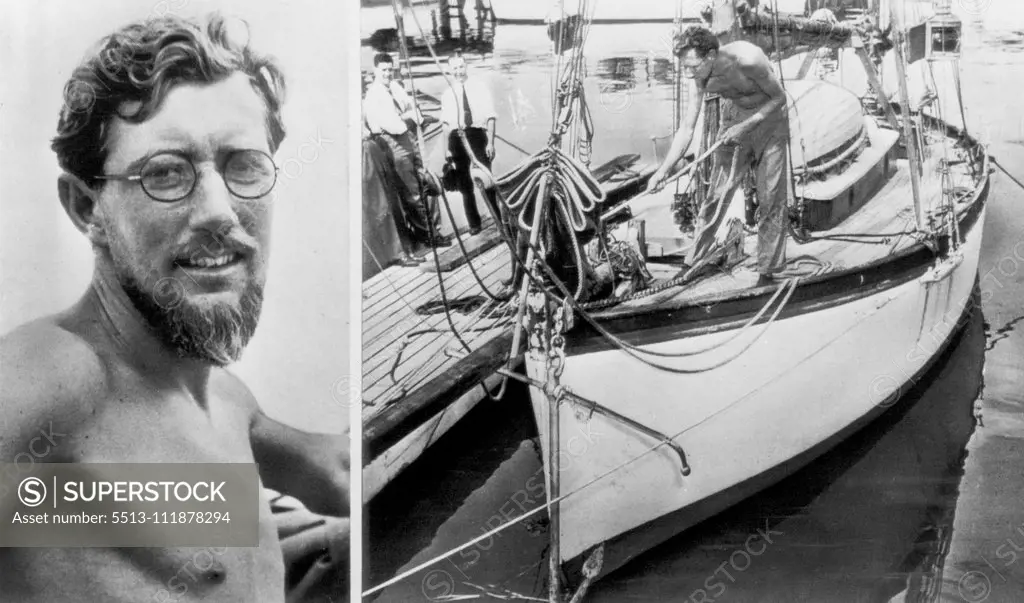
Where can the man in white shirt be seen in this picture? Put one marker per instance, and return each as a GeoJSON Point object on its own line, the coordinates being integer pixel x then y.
{"type": "Point", "coordinates": [467, 108]}
{"type": "Point", "coordinates": [391, 118]}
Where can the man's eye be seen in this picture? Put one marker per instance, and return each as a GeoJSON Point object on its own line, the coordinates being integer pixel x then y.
{"type": "Point", "coordinates": [165, 175]}
{"type": "Point", "coordinates": [249, 168]}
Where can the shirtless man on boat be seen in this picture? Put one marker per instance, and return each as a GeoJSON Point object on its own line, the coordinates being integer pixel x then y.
{"type": "Point", "coordinates": [166, 140]}
{"type": "Point", "coordinates": [755, 132]}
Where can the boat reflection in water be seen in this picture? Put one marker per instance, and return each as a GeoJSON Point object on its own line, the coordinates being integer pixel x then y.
{"type": "Point", "coordinates": [869, 521]}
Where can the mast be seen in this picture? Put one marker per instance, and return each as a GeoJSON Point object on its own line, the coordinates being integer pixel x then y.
{"type": "Point", "coordinates": [909, 138]}
{"type": "Point", "coordinates": [404, 52]}
{"type": "Point", "coordinates": [678, 89]}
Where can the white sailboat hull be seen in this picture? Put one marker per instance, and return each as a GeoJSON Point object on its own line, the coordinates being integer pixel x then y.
{"type": "Point", "coordinates": [798, 390]}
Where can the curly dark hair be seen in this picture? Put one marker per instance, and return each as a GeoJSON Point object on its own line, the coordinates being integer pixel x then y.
{"type": "Point", "coordinates": [697, 38]}
{"type": "Point", "coordinates": [139, 64]}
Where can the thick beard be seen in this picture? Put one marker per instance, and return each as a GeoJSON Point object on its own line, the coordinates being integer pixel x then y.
{"type": "Point", "coordinates": [216, 333]}
{"type": "Point", "coordinates": [213, 333]}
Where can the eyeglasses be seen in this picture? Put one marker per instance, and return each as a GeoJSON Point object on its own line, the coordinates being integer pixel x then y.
{"type": "Point", "coordinates": [691, 67]}
{"type": "Point", "coordinates": [171, 176]}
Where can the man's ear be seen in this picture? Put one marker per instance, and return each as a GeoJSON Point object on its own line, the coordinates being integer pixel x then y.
{"type": "Point", "coordinates": [80, 204]}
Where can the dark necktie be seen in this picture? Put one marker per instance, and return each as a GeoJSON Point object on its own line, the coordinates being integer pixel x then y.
{"type": "Point", "coordinates": [467, 115]}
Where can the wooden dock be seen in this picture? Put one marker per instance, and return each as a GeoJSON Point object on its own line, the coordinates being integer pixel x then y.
{"type": "Point", "coordinates": [418, 361]}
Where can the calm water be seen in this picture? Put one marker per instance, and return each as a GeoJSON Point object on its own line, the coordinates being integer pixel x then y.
{"type": "Point", "coordinates": [924, 505]}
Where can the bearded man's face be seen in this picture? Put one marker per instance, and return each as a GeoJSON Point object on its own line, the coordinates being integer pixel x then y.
{"type": "Point", "coordinates": [195, 267]}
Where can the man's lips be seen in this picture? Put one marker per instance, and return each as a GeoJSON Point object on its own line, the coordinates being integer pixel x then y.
{"type": "Point", "coordinates": [215, 257]}
{"type": "Point", "coordinates": [211, 273]}
{"type": "Point", "coordinates": [208, 262]}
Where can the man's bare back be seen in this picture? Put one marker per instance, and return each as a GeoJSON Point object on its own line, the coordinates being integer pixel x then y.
{"type": "Point", "coordinates": [729, 77]}
{"type": "Point", "coordinates": [65, 372]}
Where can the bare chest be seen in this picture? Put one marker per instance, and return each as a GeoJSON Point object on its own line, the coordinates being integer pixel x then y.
{"type": "Point", "coordinates": [139, 423]}
{"type": "Point", "coordinates": [737, 88]}
{"type": "Point", "coordinates": [211, 573]}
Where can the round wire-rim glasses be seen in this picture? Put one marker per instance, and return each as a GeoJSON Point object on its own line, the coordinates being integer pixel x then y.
{"type": "Point", "coordinates": [171, 176]}
{"type": "Point", "coordinates": [691, 68]}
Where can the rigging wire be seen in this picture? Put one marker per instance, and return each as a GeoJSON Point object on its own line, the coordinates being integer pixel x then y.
{"type": "Point", "coordinates": [946, 177]}
{"type": "Point", "coordinates": [960, 94]}
{"type": "Point", "coordinates": [1015, 180]}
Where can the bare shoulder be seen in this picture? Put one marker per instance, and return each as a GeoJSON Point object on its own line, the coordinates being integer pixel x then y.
{"type": "Point", "coordinates": [229, 387]}
{"type": "Point", "coordinates": [47, 374]}
{"type": "Point", "coordinates": [746, 54]}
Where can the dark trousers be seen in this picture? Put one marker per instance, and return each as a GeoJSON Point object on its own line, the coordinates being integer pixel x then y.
{"type": "Point", "coordinates": [477, 138]}
{"type": "Point", "coordinates": [764, 150]}
{"type": "Point", "coordinates": [419, 220]}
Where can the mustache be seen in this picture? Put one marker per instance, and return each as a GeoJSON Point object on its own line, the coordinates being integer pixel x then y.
{"type": "Point", "coordinates": [235, 241]}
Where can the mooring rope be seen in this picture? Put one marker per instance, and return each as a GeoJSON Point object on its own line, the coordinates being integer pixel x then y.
{"type": "Point", "coordinates": [458, 238]}
{"type": "Point", "coordinates": [996, 163]}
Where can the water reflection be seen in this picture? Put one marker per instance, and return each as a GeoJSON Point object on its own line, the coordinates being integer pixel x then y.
{"type": "Point", "coordinates": [870, 521]}
{"type": "Point", "coordinates": [445, 28]}
{"type": "Point", "coordinates": [1010, 41]}
{"type": "Point", "coordinates": [627, 73]}
{"type": "Point", "coordinates": [628, 86]}
{"type": "Point", "coordinates": [616, 73]}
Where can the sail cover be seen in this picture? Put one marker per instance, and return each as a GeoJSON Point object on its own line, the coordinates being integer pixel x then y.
{"type": "Point", "coordinates": [825, 120]}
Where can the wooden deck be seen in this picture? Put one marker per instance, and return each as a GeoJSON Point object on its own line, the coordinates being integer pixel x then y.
{"type": "Point", "coordinates": [402, 349]}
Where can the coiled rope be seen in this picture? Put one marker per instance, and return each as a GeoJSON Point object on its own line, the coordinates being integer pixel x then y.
{"type": "Point", "coordinates": [635, 351]}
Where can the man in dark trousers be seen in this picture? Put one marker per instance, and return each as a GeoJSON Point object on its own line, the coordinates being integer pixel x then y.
{"type": "Point", "coordinates": [391, 117]}
{"type": "Point", "coordinates": [468, 109]}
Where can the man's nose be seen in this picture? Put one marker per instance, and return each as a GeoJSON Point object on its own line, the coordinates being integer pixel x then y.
{"type": "Point", "coordinates": [213, 205]}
